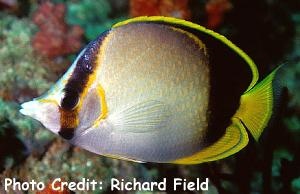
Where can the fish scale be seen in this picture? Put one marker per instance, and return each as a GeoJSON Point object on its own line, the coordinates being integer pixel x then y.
{"type": "Point", "coordinates": [167, 82]}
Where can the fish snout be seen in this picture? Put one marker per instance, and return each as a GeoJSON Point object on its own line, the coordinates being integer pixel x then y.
{"type": "Point", "coordinates": [45, 112]}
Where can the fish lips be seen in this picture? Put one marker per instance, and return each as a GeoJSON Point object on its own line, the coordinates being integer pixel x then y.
{"type": "Point", "coordinates": [46, 113]}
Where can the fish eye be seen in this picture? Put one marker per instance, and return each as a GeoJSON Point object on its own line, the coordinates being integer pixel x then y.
{"type": "Point", "coordinates": [70, 100]}
{"type": "Point", "coordinates": [85, 63]}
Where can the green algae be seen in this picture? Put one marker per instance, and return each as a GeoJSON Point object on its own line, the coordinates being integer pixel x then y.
{"type": "Point", "coordinates": [94, 21]}
{"type": "Point", "coordinates": [21, 69]}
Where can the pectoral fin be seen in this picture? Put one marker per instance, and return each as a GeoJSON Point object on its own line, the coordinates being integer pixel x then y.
{"type": "Point", "coordinates": [140, 118]}
{"type": "Point", "coordinates": [234, 139]}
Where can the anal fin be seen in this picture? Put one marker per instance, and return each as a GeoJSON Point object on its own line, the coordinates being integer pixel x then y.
{"type": "Point", "coordinates": [123, 158]}
{"type": "Point", "coordinates": [234, 139]}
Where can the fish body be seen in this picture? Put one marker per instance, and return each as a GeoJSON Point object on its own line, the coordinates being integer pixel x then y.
{"type": "Point", "coordinates": [155, 89]}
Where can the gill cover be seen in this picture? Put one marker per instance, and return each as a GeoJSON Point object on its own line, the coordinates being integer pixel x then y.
{"type": "Point", "coordinates": [92, 110]}
{"type": "Point", "coordinates": [79, 85]}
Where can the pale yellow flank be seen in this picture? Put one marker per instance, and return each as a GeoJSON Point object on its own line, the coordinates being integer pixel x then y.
{"type": "Point", "coordinates": [188, 24]}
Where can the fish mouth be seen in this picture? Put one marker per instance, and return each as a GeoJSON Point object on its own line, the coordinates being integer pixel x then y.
{"type": "Point", "coordinates": [45, 113]}
{"type": "Point", "coordinates": [28, 108]}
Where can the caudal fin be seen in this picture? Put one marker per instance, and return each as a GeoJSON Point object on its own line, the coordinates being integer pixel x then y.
{"type": "Point", "coordinates": [257, 105]}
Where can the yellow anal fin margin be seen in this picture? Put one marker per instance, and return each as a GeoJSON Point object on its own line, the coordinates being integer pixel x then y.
{"type": "Point", "coordinates": [256, 106]}
{"type": "Point", "coordinates": [234, 139]}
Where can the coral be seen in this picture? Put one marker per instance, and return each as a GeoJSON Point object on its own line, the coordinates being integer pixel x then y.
{"type": "Point", "coordinates": [215, 10]}
{"type": "Point", "coordinates": [22, 75]}
{"type": "Point", "coordinates": [16, 7]}
{"type": "Point", "coordinates": [94, 21]}
{"type": "Point", "coordinates": [55, 38]}
{"type": "Point", "coordinates": [16, 152]}
{"type": "Point", "coordinates": [49, 189]}
{"type": "Point", "coordinates": [21, 72]}
{"type": "Point", "coordinates": [9, 4]}
{"type": "Point", "coordinates": [172, 8]}
{"type": "Point", "coordinates": [72, 164]}
{"type": "Point", "coordinates": [21, 133]}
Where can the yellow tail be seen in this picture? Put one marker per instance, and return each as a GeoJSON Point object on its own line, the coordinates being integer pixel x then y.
{"type": "Point", "coordinates": [256, 106]}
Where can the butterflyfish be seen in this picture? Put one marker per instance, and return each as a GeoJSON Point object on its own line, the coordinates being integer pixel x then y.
{"type": "Point", "coordinates": [159, 89]}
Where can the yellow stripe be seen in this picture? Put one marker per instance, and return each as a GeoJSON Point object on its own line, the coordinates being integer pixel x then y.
{"type": "Point", "coordinates": [46, 100]}
{"type": "Point", "coordinates": [66, 120]}
{"type": "Point", "coordinates": [104, 109]}
{"type": "Point", "coordinates": [234, 139]}
{"type": "Point", "coordinates": [193, 37]}
{"type": "Point", "coordinates": [219, 37]}
{"type": "Point", "coordinates": [92, 79]}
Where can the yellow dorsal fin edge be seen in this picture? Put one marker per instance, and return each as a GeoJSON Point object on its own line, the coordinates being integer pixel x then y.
{"type": "Point", "coordinates": [191, 25]}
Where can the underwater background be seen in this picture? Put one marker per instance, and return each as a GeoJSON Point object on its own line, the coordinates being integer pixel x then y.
{"type": "Point", "coordinates": [40, 39]}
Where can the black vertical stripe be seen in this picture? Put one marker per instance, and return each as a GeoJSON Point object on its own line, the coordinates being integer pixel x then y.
{"type": "Point", "coordinates": [85, 66]}
{"type": "Point", "coordinates": [76, 84]}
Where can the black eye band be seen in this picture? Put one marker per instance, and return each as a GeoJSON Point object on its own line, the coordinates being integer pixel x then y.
{"type": "Point", "coordinates": [67, 133]}
{"type": "Point", "coordinates": [86, 64]}
{"type": "Point", "coordinates": [79, 78]}
{"type": "Point", "coordinates": [70, 100]}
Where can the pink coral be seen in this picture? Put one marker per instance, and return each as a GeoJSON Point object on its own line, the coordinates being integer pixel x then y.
{"type": "Point", "coordinates": [50, 190]}
{"type": "Point", "coordinates": [215, 10]}
{"type": "Point", "coordinates": [173, 8]}
{"type": "Point", "coordinates": [55, 37]}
